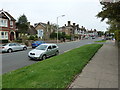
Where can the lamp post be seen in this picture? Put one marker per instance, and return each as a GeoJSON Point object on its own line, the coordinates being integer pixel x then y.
{"type": "Point", "coordinates": [57, 25]}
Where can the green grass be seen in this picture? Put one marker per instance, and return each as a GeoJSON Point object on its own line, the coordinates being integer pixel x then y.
{"type": "Point", "coordinates": [101, 41]}
{"type": "Point", "coordinates": [55, 72]}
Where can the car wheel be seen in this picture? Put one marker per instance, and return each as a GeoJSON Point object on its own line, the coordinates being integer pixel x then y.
{"type": "Point", "coordinates": [43, 57]}
{"type": "Point", "coordinates": [24, 48]}
{"type": "Point", "coordinates": [9, 50]}
{"type": "Point", "coordinates": [57, 52]}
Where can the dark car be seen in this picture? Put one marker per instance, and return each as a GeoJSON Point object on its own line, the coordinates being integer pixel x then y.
{"type": "Point", "coordinates": [37, 43]}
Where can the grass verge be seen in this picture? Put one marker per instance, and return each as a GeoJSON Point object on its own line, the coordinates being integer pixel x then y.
{"type": "Point", "coordinates": [55, 72]}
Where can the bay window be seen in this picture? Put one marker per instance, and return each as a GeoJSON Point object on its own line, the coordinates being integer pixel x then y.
{"type": "Point", "coordinates": [3, 23]}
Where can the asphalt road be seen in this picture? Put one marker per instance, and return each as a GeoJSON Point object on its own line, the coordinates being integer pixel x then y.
{"type": "Point", "coordinates": [15, 60]}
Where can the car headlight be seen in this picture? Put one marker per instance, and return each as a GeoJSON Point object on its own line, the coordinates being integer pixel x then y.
{"type": "Point", "coordinates": [38, 54]}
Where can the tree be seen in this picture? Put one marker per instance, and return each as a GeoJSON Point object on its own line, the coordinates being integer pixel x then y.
{"type": "Point", "coordinates": [22, 24]}
{"type": "Point", "coordinates": [111, 11]}
{"type": "Point", "coordinates": [100, 33]}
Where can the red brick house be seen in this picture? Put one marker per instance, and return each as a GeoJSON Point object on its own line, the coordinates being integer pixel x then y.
{"type": "Point", "coordinates": [7, 26]}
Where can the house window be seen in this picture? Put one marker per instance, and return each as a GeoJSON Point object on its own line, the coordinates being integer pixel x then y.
{"type": "Point", "coordinates": [40, 33]}
{"type": "Point", "coordinates": [6, 34]}
{"type": "Point", "coordinates": [11, 24]}
{"type": "Point", "coordinates": [3, 23]}
{"type": "Point", "coordinates": [2, 34]}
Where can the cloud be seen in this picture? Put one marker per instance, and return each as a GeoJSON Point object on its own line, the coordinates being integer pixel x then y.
{"type": "Point", "coordinates": [24, 1]}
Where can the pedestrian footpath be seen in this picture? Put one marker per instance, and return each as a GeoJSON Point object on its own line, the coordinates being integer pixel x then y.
{"type": "Point", "coordinates": [101, 71]}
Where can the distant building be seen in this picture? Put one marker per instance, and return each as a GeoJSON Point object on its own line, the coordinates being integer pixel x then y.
{"type": "Point", "coordinates": [43, 30]}
{"type": "Point", "coordinates": [7, 26]}
{"type": "Point", "coordinates": [69, 29]}
{"type": "Point", "coordinates": [31, 30]}
{"type": "Point", "coordinates": [76, 32]}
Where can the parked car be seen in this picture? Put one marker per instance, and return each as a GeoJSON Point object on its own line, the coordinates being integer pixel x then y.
{"type": "Point", "coordinates": [37, 43]}
{"type": "Point", "coordinates": [10, 47]}
{"type": "Point", "coordinates": [93, 37]}
{"type": "Point", "coordinates": [43, 51]}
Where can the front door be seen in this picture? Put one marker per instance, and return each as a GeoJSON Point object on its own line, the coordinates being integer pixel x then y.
{"type": "Point", "coordinates": [11, 36]}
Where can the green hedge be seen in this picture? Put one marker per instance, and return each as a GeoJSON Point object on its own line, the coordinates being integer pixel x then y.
{"type": "Point", "coordinates": [3, 41]}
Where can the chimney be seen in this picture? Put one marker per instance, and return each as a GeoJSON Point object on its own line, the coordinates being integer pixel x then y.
{"type": "Point", "coordinates": [48, 23]}
{"type": "Point", "coordinates": [73, 24]}
{"type": "Point", "coordinates": [77, 26]}
{"type": "Point", "coordinates": [69, 23]}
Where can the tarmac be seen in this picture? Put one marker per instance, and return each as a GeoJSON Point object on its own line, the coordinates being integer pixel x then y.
{"type": "Point", "coordinates": [101, 71]}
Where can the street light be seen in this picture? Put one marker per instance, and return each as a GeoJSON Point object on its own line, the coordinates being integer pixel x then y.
{"type": "Point", "coordinates": [57, 25]}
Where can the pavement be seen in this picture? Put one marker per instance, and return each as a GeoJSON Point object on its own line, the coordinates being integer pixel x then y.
{"type": "Point", "coordinates": [101, 71]}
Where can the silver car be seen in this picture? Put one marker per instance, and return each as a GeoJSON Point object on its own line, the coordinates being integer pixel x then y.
{"type": "Point", "coordinates": [43, 51]}
{"type": "Point", "coordinates": [10, 47]}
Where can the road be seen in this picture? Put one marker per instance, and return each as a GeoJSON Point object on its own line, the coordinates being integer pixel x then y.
{"type": "Point", "coordinates": [15, 60]}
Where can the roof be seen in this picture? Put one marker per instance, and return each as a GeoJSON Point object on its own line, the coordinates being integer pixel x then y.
{"type": "Point", "coordinates": [4, 14]}
{"type": "Point", "coordinates": [43, 24]}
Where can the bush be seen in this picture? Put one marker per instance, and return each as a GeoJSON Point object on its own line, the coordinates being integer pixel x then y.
{"type": "Point", "coordinates": [31, 37]}
{"type": "Point", "coordinates": [117, 35]}
{"type": "Point", "coordinates": [68, 37]}
{"type": "Point", "coordinates": [53, 35]}
{"type": "Point", "coordinates": [3, 41]}
{"type": "Point", "coordinates": [18, 41]}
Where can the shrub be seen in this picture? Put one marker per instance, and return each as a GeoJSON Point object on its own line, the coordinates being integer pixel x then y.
{"type": "Point", "coordinates": [4, 41]}
{"type": "Point", "coordinates": [31, 37]}
{"type": "Point", "coordinates": [117, 35]}
{"type": "Point", "coordinates": [18, 41]}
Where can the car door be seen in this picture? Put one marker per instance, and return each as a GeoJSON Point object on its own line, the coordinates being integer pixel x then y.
{"type": "Point", "coordinates": [12, 46]}
{"type": "Point", "coordinates": [49, 51]}
{"type": "Point", "coordinates": [18, 46]}
{"type": "Point", "coordinates": [54, 49]}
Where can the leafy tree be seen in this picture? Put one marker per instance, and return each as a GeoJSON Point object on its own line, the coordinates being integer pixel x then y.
{"type": "Point", "coordinates": [22, 24]}
{"type": "Point", "coordinates": [60, 35]}
{"type": "Point", "coordinates": [113, 26]}
{"type": "Point", "coordinates": [100, 33]}
{"type": "Point", "coordinates": [53, 35]}
{"type": "Point", "coordinates": [111, 11]}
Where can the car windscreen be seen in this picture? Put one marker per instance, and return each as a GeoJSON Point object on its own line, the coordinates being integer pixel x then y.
{"type": "Point", "coordinates": [41, 47]}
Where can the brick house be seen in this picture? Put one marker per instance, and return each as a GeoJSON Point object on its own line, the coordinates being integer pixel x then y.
{"type": "Point", "coordinates": [43, 30]}
{"type": "Point", "coordinates": [69, 29]}
{"type": "Point", "coordinates": [7, 26]}
{"type": "Point", "coordinates": [76, 32]}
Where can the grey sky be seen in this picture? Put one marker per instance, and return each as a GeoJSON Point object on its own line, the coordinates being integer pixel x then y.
{"type": "Point", "coordinates": [82, 12]}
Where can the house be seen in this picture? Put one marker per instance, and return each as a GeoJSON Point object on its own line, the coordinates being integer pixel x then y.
{"type": "Point", "coordinates": [73, 30]}
{"type": "Point", "coordinates": [7, 26]}
{"type": "Point", "coordinates": [69, 29]}
{"type": "Point", "coordinates": [76, 32]}
{"type": "Point", "coordinates": [31, 29]}
{"type": "Point", "coordinates": [43, 30]}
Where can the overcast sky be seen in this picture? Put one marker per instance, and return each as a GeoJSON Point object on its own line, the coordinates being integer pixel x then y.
{"type": "Point", "coordinates": [82, 12]}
